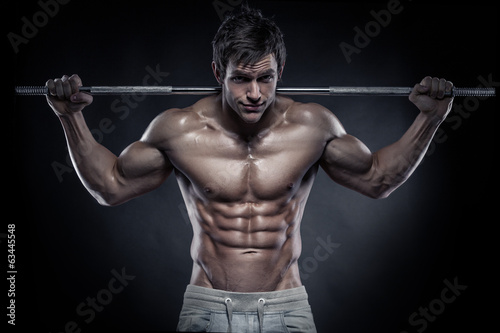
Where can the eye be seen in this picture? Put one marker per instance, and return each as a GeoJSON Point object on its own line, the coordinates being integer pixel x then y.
{"type": "Point", "coordinates": [238, 79]}
{"type": "Point", "coordinates": [266, 78]}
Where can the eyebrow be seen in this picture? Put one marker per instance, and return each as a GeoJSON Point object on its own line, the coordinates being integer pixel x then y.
{"type": "Point", "coordinates": [239, 72]}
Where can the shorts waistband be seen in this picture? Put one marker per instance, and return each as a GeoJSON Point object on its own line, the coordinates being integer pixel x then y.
{"type": "Point", "coordinates": [216, 299]}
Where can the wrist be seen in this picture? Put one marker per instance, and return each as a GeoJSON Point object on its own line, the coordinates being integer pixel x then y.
{"type": "Point", "coordinates": [74, 125]}
{"type": "Point", "coordinates": [70, 116]}
{"type": "Point", "coordinates": [432, 118]}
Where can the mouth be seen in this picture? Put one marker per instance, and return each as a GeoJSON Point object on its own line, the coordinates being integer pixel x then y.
{"type": "Point", "coordinates": [252, 107]}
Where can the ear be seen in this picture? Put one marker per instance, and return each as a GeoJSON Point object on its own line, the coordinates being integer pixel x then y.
{"type": "Point", "coordinates": [281, 71]}
{"type": "Point", "coordinates": [216, 73]}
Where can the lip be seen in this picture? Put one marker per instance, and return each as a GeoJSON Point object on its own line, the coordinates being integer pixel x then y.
{"type": "Point", "coordinates": [252, 107]}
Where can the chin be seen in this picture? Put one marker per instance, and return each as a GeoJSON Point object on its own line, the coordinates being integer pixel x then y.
{"type": "Point", "coordinates": [251, 118]}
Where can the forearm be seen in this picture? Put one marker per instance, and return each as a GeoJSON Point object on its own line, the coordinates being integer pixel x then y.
{"type": "Point", "coordinates": [394, 164]}
{"type": "Point", "coordinates": [350, 163]}
{"type": "Point", "coordinates": [93, 162]}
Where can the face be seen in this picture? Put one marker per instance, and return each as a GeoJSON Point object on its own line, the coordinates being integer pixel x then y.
{"type": "Point", "coordinates": [250, 89]}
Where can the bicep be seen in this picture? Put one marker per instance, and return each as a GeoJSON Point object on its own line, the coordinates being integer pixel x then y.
{"type": "Point", "coordinates": [348, 161]}
{"type": "Point", "coordinates": [345, 158]}
{"type": "Point", "coordinates": [140, 168]}
{"type": "Point", "coordinates": [143, 164]}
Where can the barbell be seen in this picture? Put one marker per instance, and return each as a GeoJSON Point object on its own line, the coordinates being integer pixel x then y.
{"type": "Point", "coordinates": [328, 91]}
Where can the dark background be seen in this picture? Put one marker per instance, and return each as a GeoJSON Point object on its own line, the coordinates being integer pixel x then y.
{"type": "Point", "coordinates": [394, 253]}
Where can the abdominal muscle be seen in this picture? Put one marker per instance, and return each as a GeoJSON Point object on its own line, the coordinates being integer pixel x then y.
{"type": "Point", "coordinates": [246, 247]}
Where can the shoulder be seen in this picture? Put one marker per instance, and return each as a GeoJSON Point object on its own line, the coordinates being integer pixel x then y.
{"type": "Point", "coordinates": [314, 115]}
{"type": "Point", "coordinates": [176, 122]}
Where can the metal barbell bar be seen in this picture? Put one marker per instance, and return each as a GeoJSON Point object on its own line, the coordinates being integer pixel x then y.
{"type": "Point", "coordinates": [328, 91]}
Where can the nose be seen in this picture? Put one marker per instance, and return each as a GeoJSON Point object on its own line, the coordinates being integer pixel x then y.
{"type": "Point", "coordinates": [253, 92]}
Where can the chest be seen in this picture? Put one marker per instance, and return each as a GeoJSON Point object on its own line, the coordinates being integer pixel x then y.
{"type": "Point", "coordinates": [230, 169]}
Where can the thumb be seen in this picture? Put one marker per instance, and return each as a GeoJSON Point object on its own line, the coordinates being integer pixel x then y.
{"type": "Point", "coordinates": [417, 90]}
{"type": "Point", "coordinates": [420, 89]}
{"type": "Point", "coordinates": [424, 86]}
{"type": "Point", "coordinates": [82, 98]}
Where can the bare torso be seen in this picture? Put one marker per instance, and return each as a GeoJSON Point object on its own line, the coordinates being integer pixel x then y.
{"type": "Point", "coordinates": [245, 166]}
{"type": "Point", "coordinates": [245, 196]}
{"type": "Point", "coordinates": [245, 184]}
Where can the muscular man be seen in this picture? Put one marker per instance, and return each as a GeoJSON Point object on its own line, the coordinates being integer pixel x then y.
{"type": "Point", "coordinates": [245, 161]}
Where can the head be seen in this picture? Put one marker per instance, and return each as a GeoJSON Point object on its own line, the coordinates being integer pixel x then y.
{"type": "Point", "coordinates": [248, 60]}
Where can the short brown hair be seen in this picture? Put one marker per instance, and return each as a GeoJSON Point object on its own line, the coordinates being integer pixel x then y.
{"type": "Point", "coordinates": [247, 37]}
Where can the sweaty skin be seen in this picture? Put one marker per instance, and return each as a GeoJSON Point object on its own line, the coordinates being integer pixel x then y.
{"type": "Point", "coordinates": [246, 196]}
{"type": "Point", "coordinates": [245, 161]}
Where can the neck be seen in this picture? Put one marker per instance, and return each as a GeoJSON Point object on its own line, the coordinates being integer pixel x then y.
{"type": "Point", "coordinates": [232, 122]}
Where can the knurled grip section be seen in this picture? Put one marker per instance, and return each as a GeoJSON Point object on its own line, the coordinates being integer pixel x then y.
{"type": "Point", "coordinates": [475, 92]}
{"type": "Point", "coordinates": [31, 90]}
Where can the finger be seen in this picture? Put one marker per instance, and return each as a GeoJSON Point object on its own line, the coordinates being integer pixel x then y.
{"type": "Point", "coordinates": [424, 86]}
{"type": "Point", "coordinates": [434, 87]}
{"type": "Point", "coordinates": [449, 86]}
{"type": "Point", "coordinates": [59, 89]}
{"type": "Point", "coordinates": [51, 86]}
{"type": "Point", "coordinates": [441, 88]}
{"type": "Point", "coordinates": [417, 90]}
{"type": "Point", "coordinates": [75, 83]}
{"type": "Point", "coordinates": [66, 87]}
{"type": "Point", "coordinates": [426, 81]}
{"type": "Point", "coordinates": [76, 79]}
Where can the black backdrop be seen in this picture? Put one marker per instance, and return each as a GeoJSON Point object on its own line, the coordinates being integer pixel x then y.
{"type": "Point", "coordinates": [387, 259]}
